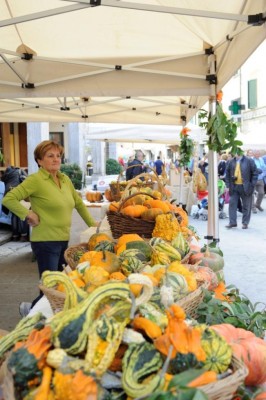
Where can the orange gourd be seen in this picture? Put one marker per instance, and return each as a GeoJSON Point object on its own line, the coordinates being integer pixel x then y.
{"type": "Point", "coordinates": [162, 205]}
{"type": "Point", "coordinates": [204, 379]}
{"type": "Point", "coordinates": [118, 276]}
{"type": "Point", "coordinates": [105, 259]}
{"type": "Point", "coordinates": [108, 195]}
{"type": "Point", "coordinates": [128, 237]}
{"type": "Point", "coordinates": [97, 238]}
{"type": "Point", "coordinates": [261, 396]}
{"type": "Point", "coordinates": [114, 206]}
{"type": "Point", "coordinates": [133, 211]}
{"type": "Point", "coordinates": [249, 348]}
{"type": "Point", "coordinates": [78, 386]}
{"type": "Point", "coordinates": [135, 288]}
{"type": "Point", "coordinates": [180, 335]}
{"type": "Point", "coordinates": [150, 328]}
{"type": "Point", "coordinates": [44, 390]}
{"type": "Point", "coordinates": [92, 197]}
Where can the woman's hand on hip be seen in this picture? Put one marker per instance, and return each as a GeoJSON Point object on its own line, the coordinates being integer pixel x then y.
{"type": "Point", "coordinates": [33, 219]}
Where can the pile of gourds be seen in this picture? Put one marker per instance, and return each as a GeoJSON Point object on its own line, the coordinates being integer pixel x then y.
{"type": "Point", "coordinates": [110, 341]}
{"type": "Point", "coordinates": [122, 334]}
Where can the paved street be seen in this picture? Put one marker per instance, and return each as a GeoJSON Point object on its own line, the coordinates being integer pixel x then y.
{"type": "Point", "coordinates": [244, 253]}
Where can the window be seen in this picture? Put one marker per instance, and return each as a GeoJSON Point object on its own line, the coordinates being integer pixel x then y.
{"type": "Point", "coordinates": [57, 137]}
{"type": "Point", "coordinates": [252, 93]}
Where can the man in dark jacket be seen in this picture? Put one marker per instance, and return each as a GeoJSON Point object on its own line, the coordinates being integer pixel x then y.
{"type": "Point", "coordinates": [241, 178]}
{"type": "Point", "coordinates": [12, 177]}
{"type": "Point", "coordinates": [136, 165]}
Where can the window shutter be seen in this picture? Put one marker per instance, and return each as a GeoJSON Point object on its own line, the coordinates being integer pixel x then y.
{"type": "Point", "coordinates": [252, 93]}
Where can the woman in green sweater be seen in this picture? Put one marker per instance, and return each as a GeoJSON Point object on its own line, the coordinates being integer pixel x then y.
{"type": "Point", "coordinates": [53, 198]}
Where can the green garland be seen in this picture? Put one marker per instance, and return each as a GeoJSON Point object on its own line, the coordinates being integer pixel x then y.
{"type": "Point", "coordinates": [221, 132]}
{"type": "Point", "coordinates": [186, 148]}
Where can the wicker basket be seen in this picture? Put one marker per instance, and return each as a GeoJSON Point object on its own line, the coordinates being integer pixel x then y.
{"type": "Point", "coordinates": [55, 298]}
{"type": "Point", "coordinates": [122, 224]}
{"type": "Point", "coordinates": [70, 252]}
{"type": "Point", "coordinates": [191, 302]}
{"type": "Point", "coordinates": [225, 388]}
{"type": "Point", "coordinates": [147, 180]}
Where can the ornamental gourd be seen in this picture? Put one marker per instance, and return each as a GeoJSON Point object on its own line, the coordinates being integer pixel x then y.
{"type": "Point", "coordinates": [97, 238]}
{"type": "Point", "coordinates": [248, 347]}
{"type": "Point", "coordinates": [105, 259]}
{"type": "Point", "coordinates": [218, 352]}
{"type": "Point", "coordinates": [208, 259]}
{"type": "Point", "coordinates": [133, 211]}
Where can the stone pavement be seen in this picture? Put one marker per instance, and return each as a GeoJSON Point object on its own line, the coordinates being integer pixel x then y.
{"type": "Point", "coordinates": [244, 253]}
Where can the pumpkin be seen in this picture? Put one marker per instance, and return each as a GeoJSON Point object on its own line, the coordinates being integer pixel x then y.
{"type": "Point", "coordinates": [206, 274]}
{"type": "Point", "coordinates": [249, 348]}
{"type": "Point", "coordinates": [109, 261]}
{"type": "Point", "coordinates": [97, 238]}
{"type": "Point", "coordinates": [108, 195]}
{"type": "Point", "coordinates": [114, 206]}
{"type": "Point", "coordinates": [128, 237]}
{"type": "Point", "coordinates": [261, 396]}
{"type": "Point", "coordinates": [92, 197]}
{"type": "Point", "coordinates": [208, 259]}
{"type": "Point", "coordinates": [133, 211]}
{"type": "Point", "coordinates": [153, 203]}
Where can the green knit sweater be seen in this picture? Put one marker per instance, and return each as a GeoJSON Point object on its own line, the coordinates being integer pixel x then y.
{"type": "Point", "coordinates": [53, 204]}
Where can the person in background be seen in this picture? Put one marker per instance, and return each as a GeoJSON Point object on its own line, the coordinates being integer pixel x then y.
{"type": "Point", "coordinates": [222, 166]}
{"type": "Point", "coordinates": [204, 165]}
{"type": "Point", "coordinates": [259, 187]}
{"type": "Point", "coordinates": [241, 178]}
{"type": "Point", "coordinates": [159, 166]}
{"type": "Point", "coordinates": [137, 166]}
{"type": "Point", "coordinates": [53, 198]}
{"type": "Point", "coordinates": [12, 177]}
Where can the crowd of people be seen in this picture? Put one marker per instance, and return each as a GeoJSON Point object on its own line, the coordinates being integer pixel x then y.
{"type": "Point", "coordinates": [245, 178]}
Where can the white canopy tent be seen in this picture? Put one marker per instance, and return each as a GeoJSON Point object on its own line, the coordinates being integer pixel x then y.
{"type": "Point", "coordinates": [123, 61]}
{"type": "Point", "coordinates": [145, 62]}
{"type": "Point", "coordinates": [137, 133]}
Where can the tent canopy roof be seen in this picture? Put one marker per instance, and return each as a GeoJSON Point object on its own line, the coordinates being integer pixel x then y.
{"type": "Point", "coordinates": [146, 62]}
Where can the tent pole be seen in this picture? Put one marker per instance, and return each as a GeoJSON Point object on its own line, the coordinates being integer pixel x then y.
{"type": "Point", "coordinates": [213, 209]}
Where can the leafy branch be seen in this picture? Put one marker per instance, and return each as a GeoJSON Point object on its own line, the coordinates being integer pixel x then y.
{"type": "Point", "coordinates": [186, 148]}
{"type": "Point", "coordinates": [221, 131]}
{"type": "Point", "coordinates": [237, 311]}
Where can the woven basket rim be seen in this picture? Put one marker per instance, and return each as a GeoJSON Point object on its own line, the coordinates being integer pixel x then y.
{"type": "Point", "coordinates": [70, 250]}
{"type": "Point", "coordinates": [226, 387]}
